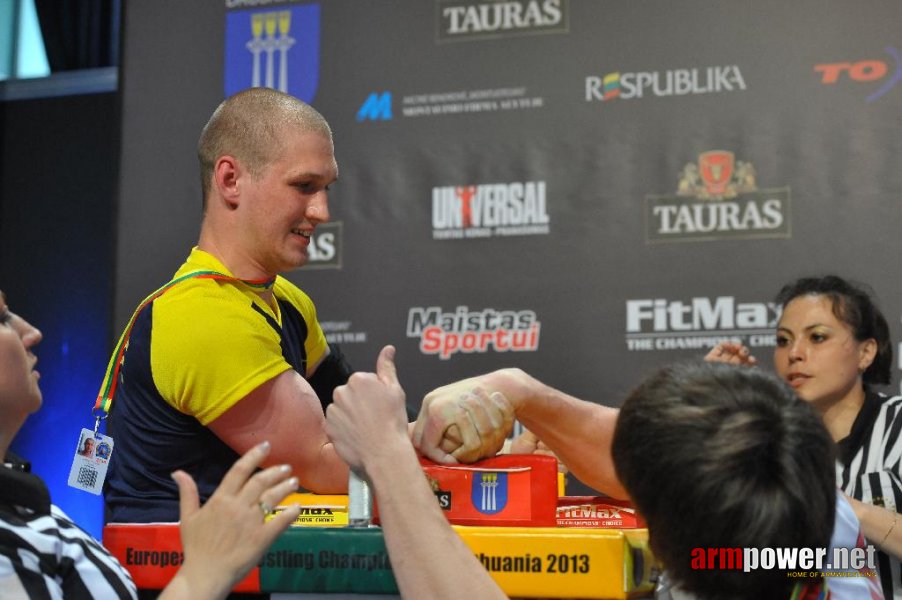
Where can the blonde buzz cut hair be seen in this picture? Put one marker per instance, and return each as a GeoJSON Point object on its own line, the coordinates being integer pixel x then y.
{"type": "Point", "coordinates": [248, 126]}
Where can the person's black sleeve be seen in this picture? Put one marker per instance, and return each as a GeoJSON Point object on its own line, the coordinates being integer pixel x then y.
{"type": "Point", "coordinates": [333, 372]}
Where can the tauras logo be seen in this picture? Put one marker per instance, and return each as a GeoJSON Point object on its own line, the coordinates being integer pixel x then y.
{"type": "Point", "coordinates": [466, 331]}
{"type": "Point", "coordinates": [325, 246]}
{"type": "Point", "coordinates": [442, 496]}
{"type": "Point", "coordinates": [485, 210]}
{"type": "Point", "coordinates": [469, 19]}
{"type": "Point", "coordinates": [701, 322]}
{"type": "Point", "coordinates": [717, 198]}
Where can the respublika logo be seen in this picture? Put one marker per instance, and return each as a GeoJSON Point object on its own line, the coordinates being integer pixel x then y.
{"type": "Point", "coordinates": [479, 19]}
{"type": "Point", "coordinates": [376, 107]}
{"type": "Point", "coordinates": [489, 492]}
{"type": "Point", "coordinates": [473, 331]}
{"type": "Point", "coordinates": [717, 198]}
{"type": "Point", "coordinates": [486, 210]}
{"type": "Point", "coordinates": [675, 82]}
{"type": "Point", "coordinates": [662, 324]}
{"type": "Point", "coordinates": [277, 48]}
{"type": "Point", "coordinates": [325, 246]}
{"type": "Point", "coordinates": [866, 71]}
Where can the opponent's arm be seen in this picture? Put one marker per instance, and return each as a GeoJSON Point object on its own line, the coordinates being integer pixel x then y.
{"type": "Point", "coordinates": [578, 432]}
{"type": "Point", "coordinates": [429, 560]}
{"type": "Point", "coordinates": [286, 411]}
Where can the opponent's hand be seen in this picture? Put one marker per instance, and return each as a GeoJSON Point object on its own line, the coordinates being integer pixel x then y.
{"type": "Point", "coordinates": [528, 443]}
{"type": "Point", "coordinates": [462, 422]}
{"type": "Point", "coordinates": [367, 418]}
{"type": "Point", "coordinates": [731, 353]}
{"type": "Point", "coordinates": [226, 537]}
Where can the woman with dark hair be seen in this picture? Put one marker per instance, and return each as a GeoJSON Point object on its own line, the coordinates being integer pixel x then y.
{"type": "Point", "coordinates": [832, 346]}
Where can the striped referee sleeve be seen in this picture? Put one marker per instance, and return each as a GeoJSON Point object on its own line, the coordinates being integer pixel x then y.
{"type": "Point", "coordinates": [874, 476]}
{"type": "Point", "coordinates": [48, 556]}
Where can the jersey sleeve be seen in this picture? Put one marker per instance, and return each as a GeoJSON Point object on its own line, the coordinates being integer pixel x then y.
{"type": "Point", "coordinates": [315, 345]}
{"type": "Point", "coordinates": [209, 350]}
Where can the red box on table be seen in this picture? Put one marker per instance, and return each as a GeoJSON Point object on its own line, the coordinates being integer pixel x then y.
{"type": "Point", "coordinates": [517, 490]}
{"type": "Point", "coordinates": [597, 512]}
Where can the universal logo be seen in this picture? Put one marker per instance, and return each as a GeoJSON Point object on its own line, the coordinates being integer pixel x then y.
{"type": "Point", "coordinates": [487, 210]}
{"type": "Point", "coordinates": [465, 20]}
{"type": "Point", "coordinates": [717, 198]}
{"type": "Point", "coordinates": [325, 246]}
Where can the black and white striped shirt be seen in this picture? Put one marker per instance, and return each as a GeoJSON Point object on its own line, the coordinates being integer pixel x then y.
{"type": "Point", "coordinates": [869, 468]}
{"type": "Point", "coordinates": [43, 554]}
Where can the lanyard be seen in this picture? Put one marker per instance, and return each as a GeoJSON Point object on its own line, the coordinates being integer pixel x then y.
{"type": "Point", "coordinates": [104, 400]}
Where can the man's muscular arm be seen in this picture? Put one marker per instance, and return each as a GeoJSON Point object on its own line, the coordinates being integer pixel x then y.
{"type": "Point", "coordinates": [578, 432]}
{"type": "Point", "coordinates": [286, 411]}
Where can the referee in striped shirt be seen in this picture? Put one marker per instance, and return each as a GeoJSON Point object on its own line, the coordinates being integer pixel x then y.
{"type": "Point", "coordinates": [832, 347]}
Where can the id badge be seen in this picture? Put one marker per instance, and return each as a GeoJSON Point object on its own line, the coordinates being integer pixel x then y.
{"type": "Point", "coordinates": [92, 457]}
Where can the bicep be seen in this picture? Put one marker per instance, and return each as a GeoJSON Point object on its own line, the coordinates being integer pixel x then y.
{"type": "Point", "coordinates": [283, 411]}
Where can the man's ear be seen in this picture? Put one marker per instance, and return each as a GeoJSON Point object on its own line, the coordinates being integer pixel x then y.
{"type": "Point", "coordinates": [226, 173]}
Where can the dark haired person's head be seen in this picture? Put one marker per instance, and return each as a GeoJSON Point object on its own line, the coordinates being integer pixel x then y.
{"type": "Point", "coordinates": [719, 456]}
{"type": "Point", "coordinates": [851, 305]}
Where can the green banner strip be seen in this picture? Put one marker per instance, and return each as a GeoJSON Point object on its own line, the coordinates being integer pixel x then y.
{"type": "Point", "coordinates": [328, 559]}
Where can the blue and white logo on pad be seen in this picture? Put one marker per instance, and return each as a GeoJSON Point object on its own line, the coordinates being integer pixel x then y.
{"type": "Point", "coordinates": [489, 492]}
{"type": "Point", "coordinates": [277, 49]}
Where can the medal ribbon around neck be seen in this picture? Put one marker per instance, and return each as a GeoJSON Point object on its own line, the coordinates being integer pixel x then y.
{"type": "Point", "coordinates": [104, 400]}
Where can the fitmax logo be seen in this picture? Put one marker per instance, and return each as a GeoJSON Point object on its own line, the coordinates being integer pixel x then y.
{"type": "Point", "coordinates": [377, 107]}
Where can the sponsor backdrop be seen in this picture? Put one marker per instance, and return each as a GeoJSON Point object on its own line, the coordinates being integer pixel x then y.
{"type": "Point", "coordinates": [585, 189]}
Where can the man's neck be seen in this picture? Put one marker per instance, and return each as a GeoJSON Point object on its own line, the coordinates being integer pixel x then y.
{"type": "Point", "coordinates": [234, 259]}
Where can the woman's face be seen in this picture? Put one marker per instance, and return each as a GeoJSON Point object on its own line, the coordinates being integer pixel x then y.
{"type": "Point", "coordinates": [19, 390]}
{"type": "Point", "coordinates": [817, 354]}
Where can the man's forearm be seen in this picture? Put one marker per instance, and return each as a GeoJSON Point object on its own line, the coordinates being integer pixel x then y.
{"type": "Point", "coordinates": [578, 432]}
{"type": "Point", "coordinates": [429, 560]}
{"type": "Point", "coordinates": [326, 474]}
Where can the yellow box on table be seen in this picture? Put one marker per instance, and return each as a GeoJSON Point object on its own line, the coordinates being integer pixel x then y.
{"type": "Point", "coordinates": [319, 554]}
